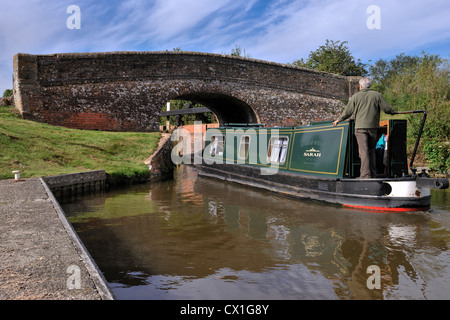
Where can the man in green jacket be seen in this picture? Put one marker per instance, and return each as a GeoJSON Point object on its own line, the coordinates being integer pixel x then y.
{"type": "Point", "coordinates": [366, 106]}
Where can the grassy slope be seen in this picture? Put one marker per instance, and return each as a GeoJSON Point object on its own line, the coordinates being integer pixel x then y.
{"type": "Point", "coordinates": [43, 150]}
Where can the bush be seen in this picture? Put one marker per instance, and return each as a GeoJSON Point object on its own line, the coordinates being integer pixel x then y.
{"type": "Point", "coordinates": [421, 84]}
{"type": "Point", "coordinates": [438, 154]}
{"type": "Point", "coordinates": [333, 57]}
{"type": "Point", "coordinates": [7, 93]}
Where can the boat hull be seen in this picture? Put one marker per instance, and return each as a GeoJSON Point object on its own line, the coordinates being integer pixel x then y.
{"type": "Point", "coordinates": [388, 194]}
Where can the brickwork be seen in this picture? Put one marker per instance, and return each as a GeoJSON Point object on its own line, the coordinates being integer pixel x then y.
{"type": "Point", "coordinates": [125, 91]}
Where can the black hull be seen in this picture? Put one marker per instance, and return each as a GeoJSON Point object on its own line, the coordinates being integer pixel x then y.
{"type": "Point", "coordinates": [367, 194]}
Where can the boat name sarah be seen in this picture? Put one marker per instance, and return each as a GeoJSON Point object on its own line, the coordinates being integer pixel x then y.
{"type": "Point", "coordinates": [312, 153]}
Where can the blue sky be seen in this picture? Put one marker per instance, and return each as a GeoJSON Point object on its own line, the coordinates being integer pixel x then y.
{"type": "Point", "coordinates": [279, 31]}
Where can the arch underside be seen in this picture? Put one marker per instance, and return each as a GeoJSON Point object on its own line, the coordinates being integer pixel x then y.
{"type": "Point", "coordinates": [227, 109]}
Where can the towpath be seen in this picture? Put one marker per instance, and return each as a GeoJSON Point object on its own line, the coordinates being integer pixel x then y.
{"type": "Point", "coordinates": [41, 257]}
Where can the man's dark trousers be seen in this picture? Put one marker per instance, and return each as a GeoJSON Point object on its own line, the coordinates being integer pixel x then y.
{"type": "Point", "coordinates": [367, 140]}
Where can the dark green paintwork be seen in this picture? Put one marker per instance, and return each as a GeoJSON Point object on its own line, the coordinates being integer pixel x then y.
{"type": "Point", "coordinates": [320, 149]}
{"type": "Point", "coordinates": [314, 150]}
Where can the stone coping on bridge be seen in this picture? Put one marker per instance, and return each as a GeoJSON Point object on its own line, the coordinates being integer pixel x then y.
{"type": "Point", "coordinates": [192, 53]}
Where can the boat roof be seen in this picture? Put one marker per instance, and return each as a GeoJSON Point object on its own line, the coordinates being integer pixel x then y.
{"type": "Point", "coordinates": [262, 125]}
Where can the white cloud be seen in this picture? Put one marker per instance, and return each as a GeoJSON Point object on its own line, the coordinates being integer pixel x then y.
{"type": "Point", "coordinates": [277, 30]}
{"type": "Point", "coordinates": [173, 17]}
{"type": "Point", "coordinates": [404, 26]}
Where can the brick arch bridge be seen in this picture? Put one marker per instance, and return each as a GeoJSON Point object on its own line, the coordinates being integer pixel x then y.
{"type": "Point", "coordinates": [125, 91]}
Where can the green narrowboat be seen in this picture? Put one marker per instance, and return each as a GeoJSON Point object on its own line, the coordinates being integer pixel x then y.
{"type": "Point", "coordinates": [319, 162]}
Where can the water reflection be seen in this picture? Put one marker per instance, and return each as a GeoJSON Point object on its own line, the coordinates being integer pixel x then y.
{"type": "Point", "coordinates": [198, 238]}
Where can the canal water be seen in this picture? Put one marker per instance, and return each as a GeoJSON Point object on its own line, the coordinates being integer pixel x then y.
{"type": "Point", "coordinates": [198, 238]}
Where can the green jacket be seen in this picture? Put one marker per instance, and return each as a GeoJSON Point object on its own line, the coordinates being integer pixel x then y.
{"type": "Point", "coordinates": [366, 105]}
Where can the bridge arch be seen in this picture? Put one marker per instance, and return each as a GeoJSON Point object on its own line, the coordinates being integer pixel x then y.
{"type": "Point", "coordinates": [125, 91]}
{"type": "Point", "coordinates": [227, 109]}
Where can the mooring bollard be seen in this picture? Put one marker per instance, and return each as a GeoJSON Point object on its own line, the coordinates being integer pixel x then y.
{"type": "Point", "coordinates": [16, 175]}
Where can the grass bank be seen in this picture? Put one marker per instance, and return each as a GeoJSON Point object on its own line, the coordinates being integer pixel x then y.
{"type": "Point", "coordinates": [43, 150]}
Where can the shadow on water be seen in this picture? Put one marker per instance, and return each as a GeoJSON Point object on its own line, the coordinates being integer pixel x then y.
{"type": "Point", "coordinates": [198, 238]}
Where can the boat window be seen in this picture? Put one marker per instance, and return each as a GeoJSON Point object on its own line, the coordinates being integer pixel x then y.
{"type": "Point", "coordinates": [243, 147]}
{"type": "Point", "coordinates": [277, 150]}
{"type": "Point", "coordinates": [217, 143]}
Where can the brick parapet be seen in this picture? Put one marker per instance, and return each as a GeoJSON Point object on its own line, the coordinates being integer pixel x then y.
{"type": "Point", "coordinates": [125, 91]}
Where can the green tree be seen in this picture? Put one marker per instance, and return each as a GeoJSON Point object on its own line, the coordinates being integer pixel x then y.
{"type": "Point", "coordinates": [7, 93]}
{"type": "Point", "coordinates": [333, 57]}
{"type": "Point", "coordinates": [420, 83]}
{"type": "Point", "coordinates": [382, 71]}
{"type": "Point", "coordinates": [207, 117]}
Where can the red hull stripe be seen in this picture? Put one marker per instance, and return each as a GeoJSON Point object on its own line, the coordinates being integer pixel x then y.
{"type": "Point", "coordinates": [385, 209]}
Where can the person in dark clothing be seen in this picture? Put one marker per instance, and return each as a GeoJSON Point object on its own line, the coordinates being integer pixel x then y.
{"type": "Point", "coordinates": [366, 105]}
